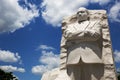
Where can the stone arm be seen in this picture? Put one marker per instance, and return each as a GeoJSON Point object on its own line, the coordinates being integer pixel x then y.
{"type": "Point", "coordinates": [89, 34]}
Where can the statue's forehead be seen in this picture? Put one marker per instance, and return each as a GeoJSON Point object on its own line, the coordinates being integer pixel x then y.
{"type": "Point", "coordinates": [82, 9]}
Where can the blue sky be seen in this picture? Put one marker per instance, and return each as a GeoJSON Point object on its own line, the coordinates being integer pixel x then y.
{"type": "Point", "coordinates": [30, 33]}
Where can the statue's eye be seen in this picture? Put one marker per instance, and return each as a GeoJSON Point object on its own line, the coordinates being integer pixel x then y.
{"type": "Point", "coordinates": [78, 12]}
{"type": "Point", "coordinates": [81, 11]}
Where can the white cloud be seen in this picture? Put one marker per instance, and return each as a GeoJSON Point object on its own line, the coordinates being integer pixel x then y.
{"type": "Point", "coordinates": [40, 69]}
{"type": "Point", "coordinates": [114, 13]}
{"type": "Point", "coordinates": [10, 68]}
{"type": "Point", "coordinates": [49, 58]}
{"type": "Point", "coordinates": [117, 56]}
{"type": "Point", "coordinates": [13, 16]}
{"type": "Point", "coordinates": [54, 11]}
{"type": "Point", "coordinates": [45, 47]}
{"type": "Point", "coordinates": [48, 61]}
{"type": "Point", "coordinates": [7, 56]}
{"type": "Point", "coordinates": [101, 2]}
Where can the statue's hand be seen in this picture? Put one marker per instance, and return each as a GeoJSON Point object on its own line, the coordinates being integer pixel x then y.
{"type": "Point", "coordinates": [63, 76]}
{"type": "Point", "coordinates": [73, 34]}
{"type": "Point", "coordinates": [80, 34]}
{"type": "Point", "coordinates": [68, 34]}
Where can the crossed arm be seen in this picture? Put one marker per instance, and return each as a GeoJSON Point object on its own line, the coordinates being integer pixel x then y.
{"type": "Point", "coordinates": [89, 34]}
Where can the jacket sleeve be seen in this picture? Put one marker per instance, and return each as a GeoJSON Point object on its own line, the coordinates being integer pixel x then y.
{"type": "Point", "coordinates": [93, 33]}
{"type": "Point", "coordinates": [89, 34]}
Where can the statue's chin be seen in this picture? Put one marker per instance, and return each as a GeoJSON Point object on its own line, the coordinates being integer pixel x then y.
{"type": "Point", "coordinates": [82, 18]}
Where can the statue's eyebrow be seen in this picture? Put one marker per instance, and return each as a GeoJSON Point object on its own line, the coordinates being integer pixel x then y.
{"type": "Point", "coordinates": [80, 11]}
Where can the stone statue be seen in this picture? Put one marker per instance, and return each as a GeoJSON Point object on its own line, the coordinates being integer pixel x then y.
{"type": "Point", "coordinates": [86, 52]}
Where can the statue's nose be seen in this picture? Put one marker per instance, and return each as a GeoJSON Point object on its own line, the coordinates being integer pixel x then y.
{"type": "Point", "coordinates": [79, 14]}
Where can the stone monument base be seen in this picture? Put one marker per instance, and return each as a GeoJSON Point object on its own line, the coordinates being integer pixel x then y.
{"type": "Point", "coordinates": [56, 74]}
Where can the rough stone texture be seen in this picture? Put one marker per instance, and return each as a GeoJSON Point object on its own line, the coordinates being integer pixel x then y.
{"type": "Point", "coordinates": [51, 75]}
{"type": "Point", "coordinates": [104, 43]}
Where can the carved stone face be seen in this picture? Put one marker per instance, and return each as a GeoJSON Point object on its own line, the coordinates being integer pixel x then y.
{"type": "Point", "coordinates": [82, 14]}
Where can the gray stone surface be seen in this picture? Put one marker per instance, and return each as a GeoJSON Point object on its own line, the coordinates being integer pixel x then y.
{"type": "Point", "coordinates": [86, 52]}
{"type": "Point", "coordinates": [51, 75]}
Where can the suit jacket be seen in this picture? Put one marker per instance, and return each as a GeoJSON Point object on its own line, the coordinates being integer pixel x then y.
{"type": "Point", "coordinates": [82, 41]}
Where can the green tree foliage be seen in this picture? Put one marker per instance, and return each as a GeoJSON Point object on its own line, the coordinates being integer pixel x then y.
{"type": "Point", "coordinates": [7, 75]}
{"type": "Point", "coordinates": [118, 76]}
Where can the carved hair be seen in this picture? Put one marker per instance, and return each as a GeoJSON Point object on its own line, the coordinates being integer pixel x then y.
{"type": "Point", "coordinates": [83, 9]}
